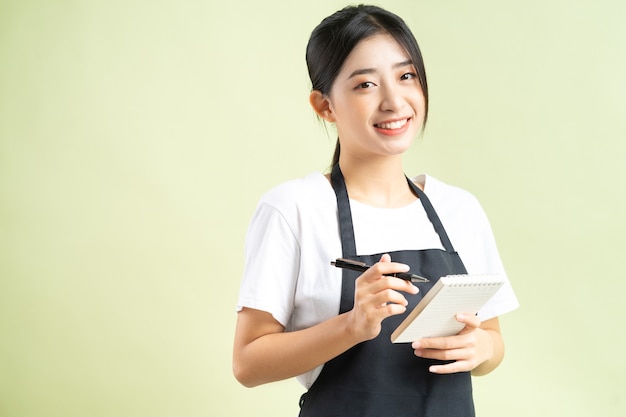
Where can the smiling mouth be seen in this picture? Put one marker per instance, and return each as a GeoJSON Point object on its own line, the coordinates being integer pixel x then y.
{"type": "Point", "coordinates": [392, 125]}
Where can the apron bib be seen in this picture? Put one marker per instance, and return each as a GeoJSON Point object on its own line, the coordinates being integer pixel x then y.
{"type": "Point", "coordinates": [377, 378]}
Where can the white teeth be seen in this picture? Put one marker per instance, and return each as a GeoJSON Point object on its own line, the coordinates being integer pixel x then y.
{"type": "Point", "coordinates": [392, 125]}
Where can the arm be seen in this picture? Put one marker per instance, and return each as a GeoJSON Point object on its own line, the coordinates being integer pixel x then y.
{"type": "Point", "coordinates": [263, 352]}
{"type": "Point", "coordinates": [478, 348]}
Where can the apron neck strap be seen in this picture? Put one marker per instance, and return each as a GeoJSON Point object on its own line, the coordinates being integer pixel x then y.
{"type": "Point", "coordinates": [346, 228]}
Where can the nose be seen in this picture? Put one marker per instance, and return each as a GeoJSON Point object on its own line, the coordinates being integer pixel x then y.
{"type": "Point", "coordinates": [391, 99]}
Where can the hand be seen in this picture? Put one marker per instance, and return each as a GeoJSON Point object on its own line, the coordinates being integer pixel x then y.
{"type": "Point", "coordinates": [468, 349]}
{"type": "Point", "coordinates": [376, 297]}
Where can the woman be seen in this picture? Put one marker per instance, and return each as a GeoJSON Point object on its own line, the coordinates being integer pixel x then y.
{"type": "Point", "coordinates": [299, 316]}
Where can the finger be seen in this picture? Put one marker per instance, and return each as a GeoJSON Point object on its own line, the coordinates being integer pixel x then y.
{"type": "Point", "coordinates": [470, 320]}
{"type": "Point", "coordinates": [387, 296]}
{"type": "Point", "coordinates": [386, 259]}
{"type": "Point", "coordinates": [388, 267]}
{"type": "Point", "coordinates": [382, 291]}
{"type": "Point", "coordinates": [381, 305]}
{"type": "Point", "coordinates": [443, 354]}
{"type": "Point", "coordinates": [384, 271]}
{"type": "Point", "coordinates": [386, 282]}
{"type": "Point", "coordinates": [390, 309]}
{"type": "Point", "coordinates": [442, 343]}
{"type": "Point", "coordinates": [451, 368]}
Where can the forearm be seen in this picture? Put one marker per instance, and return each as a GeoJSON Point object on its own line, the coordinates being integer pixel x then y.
{"type": "Point", "coordinates": [264, 352]}
{"type": "Point", "coordinates": [276, 356]}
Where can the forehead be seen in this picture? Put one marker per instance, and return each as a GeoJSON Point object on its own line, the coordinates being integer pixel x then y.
{"type": "Point", "coordinates": [380, 51]}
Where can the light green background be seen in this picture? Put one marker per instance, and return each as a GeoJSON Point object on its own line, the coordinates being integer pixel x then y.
{"type": "Point", "coordinates": [137, 135]}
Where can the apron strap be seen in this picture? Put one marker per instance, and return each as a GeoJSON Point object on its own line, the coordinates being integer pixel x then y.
{"type": "Point", "coordinates": [346, 229]}
{"type": "Point", "coordinates": [432, 216]}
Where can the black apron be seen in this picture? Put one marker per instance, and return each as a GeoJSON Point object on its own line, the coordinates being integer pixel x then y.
{"type": "Point", "coordinates": [378, 378]}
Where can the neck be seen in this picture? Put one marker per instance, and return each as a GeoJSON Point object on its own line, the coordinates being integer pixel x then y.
{"type": "Point", "coordinates": [378, 182]}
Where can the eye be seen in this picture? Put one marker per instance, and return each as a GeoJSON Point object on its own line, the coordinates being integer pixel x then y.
{"type": "Point", "coordinates": [364, 85]}
{"type": "Point", "coordinates": [408, 76]}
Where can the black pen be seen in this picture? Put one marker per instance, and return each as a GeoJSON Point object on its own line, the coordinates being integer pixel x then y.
{"type": "Point", "coordinates": [362, 267]}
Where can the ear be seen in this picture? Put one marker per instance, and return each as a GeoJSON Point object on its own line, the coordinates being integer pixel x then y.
{"type": "Point", "coordinates": [321, 105]}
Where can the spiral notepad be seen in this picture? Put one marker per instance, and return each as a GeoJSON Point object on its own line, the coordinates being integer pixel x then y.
{"type": "Point", "coordinates": [435, 314]}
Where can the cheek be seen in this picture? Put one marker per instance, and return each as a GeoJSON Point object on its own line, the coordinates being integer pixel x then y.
{"type": "Point", "coordinates": [345, 114]}
{"type": "Point", "coordinates": [419, 105]}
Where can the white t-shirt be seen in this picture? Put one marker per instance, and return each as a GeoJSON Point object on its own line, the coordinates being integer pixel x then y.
{"type": "Point", "coordinates": [294, 234]}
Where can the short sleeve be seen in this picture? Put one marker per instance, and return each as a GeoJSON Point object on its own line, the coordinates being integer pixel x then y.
{"type": "Point", "coordinates": [271, 265]}
{"type": "Point", "coordinates": [485, 259]}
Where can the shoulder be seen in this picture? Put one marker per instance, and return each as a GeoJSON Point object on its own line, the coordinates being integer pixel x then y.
{"type": "Point", "coordinates": [305, 200]}
{"type": "Point", "coordinates": [448, 197]}
{"type": "Point", "coordinates": [297, 191]}
{"type": "Point", "coordinates": [459, 210]}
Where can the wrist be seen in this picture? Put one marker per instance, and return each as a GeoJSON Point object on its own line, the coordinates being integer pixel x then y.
{"type": "Point", "coordinates": [354, 330]}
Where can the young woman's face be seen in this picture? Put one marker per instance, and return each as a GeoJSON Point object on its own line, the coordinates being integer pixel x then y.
{"type": "Point", "coordinates": [376, 101]}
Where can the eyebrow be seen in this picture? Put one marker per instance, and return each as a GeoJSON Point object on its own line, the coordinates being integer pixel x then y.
{"type": "Point", "coordinates": [373, 70]}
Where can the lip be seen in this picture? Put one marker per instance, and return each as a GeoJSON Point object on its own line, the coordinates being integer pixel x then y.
{"type": "Point", "coordinates": [393, 132]}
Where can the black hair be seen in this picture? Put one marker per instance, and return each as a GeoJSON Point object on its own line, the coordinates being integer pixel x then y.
{"type": "Point", "coordinates": [334, 38]}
